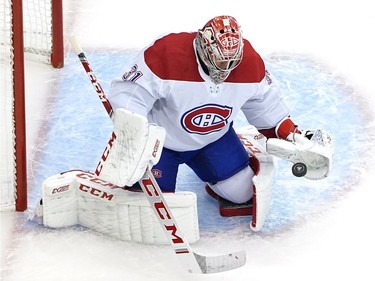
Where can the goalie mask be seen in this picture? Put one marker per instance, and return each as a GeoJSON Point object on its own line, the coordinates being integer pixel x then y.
{"type": "Point", "coordinates": [220, 46]}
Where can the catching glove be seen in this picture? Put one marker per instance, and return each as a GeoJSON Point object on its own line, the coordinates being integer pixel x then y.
{"type": "Point", "coordinates": [314, 148]}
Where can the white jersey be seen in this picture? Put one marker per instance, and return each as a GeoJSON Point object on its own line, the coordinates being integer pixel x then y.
{"type": "Point", "coordinates": [167, 84]}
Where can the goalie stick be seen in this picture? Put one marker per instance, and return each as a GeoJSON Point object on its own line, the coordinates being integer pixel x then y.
{"type": "Point", "coordinates": [191, 261]}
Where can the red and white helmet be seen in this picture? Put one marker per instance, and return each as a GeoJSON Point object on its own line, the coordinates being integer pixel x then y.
{"type": "Point", "coordinates": [220, 46]}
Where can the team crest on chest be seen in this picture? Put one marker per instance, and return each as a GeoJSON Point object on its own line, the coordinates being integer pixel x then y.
{"type": "Point", "coordinates": [206, 119]}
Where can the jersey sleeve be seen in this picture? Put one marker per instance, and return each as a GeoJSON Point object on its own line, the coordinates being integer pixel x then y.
{"type": "Point", "coordinates": [268, 107]}
{"type": "Point", "coordinates": [137, 89]}
{"type": "Point", "coordinates": [131, 96]}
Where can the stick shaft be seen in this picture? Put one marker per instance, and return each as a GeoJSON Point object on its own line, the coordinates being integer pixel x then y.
{"type": "Point", "coordinates": [150, 187]}
{"type": "Point", "coordinates": [90, 73]}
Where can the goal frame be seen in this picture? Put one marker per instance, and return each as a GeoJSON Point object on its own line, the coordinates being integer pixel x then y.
{"type": "Point", "coordinates": [19, 113]}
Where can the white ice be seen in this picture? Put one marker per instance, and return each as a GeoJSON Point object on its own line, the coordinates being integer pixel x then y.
{"type": "Point", "coordinates": [333, 244]}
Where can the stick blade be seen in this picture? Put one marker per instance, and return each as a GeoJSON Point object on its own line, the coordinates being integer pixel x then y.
{"type": "Point", "coordinates": [215, 264]}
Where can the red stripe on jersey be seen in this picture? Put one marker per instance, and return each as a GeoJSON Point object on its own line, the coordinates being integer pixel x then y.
{"type": "Point", "coordinates": [172, 57]}
{"type": "Point", "coordinates": [251, 69]}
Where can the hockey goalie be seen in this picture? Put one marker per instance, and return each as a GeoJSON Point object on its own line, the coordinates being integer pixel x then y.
{"type": "Point", "coordinates": [110, 201]}
{"type": "Point", "coordinates": [175, 104]}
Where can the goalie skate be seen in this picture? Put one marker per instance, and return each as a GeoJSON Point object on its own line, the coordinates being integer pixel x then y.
{"type": "Point", "coordinates": [230, 209]}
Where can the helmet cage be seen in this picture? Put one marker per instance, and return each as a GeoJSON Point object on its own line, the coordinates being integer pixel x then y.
{"type": "Point", "coordinates": [220, 44]}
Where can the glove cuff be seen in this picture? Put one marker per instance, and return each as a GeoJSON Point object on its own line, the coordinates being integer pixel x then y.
{"type": "Point", "coordinates": [285, 128]}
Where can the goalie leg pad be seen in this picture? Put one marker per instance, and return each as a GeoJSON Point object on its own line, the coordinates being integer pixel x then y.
{"type": "Point", "coordinates": [262, 190]}
{"type": "Point", "coordinates": [59, 199]}
{"type": "Point", "coordinates": [91, 202]}
{"type": "Point", "coordinates": [255, 143]}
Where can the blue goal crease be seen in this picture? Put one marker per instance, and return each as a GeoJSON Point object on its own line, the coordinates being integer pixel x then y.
{"type": "Point", "coordinates": [79, 129]}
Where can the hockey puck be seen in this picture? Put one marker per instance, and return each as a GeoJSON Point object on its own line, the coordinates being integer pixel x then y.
{"type": "Point", "coordinates": [299, 169]}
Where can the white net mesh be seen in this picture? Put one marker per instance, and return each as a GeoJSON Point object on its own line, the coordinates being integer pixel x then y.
{"type": "Point", "coordinates": [37, 38]}
{"type": "Point", "coordinates": [38, 29]}
{"type": "Point", "coordinates": [7, 168]}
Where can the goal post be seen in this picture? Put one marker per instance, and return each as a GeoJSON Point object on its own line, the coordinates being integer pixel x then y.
{"type": "Point", "coordinates": [28, 27]}
{"type": "Point", "coordinates": [57, 55]}
{"type": "Point", "coordinates": [20, 185]}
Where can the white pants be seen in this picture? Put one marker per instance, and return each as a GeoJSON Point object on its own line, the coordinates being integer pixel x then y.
{"type": "Point", "coordinates": [238, 188]}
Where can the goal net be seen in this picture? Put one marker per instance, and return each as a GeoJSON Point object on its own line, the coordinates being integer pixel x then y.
{"type": "Point", "coordinates": [31, 29]}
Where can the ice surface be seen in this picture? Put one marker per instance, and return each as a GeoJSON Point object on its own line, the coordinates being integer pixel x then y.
{"type": "Point", "coordinates": [315, 230]}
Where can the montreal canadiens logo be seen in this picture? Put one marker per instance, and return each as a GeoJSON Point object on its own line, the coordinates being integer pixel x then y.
{"type": "Point", "coordinates": [206, 119]}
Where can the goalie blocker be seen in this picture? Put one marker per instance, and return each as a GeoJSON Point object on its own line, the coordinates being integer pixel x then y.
{"type": "Point", "coordinates": [134, 146]}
